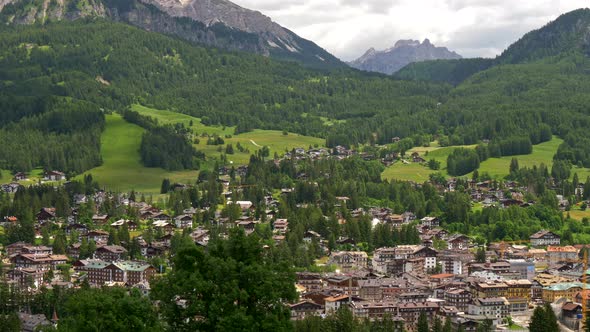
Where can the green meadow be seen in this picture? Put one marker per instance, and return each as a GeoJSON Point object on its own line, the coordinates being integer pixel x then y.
{"type": "Point", "coordinates": [583, 173]}
{"type": "Point", "coordinates": [417, 172]}
{"type": "Point", "coordinates": [579, 214]}
{"type": "Point", "coordinates": [6, 176]}
{"type": "Point", "coordinates": [251, 141]}
{"type": "Point", "coordinates": [168, 117]}
{"type": "Point", "coordinates": [495, 167]}
{"type": "Point", "coordinates": [122, 169]}
{"type": "Point", "coordinates": [33, 177]}
{"type": "Point", "coordinates": [542, 153]}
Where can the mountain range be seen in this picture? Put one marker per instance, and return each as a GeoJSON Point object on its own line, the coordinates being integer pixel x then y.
{"type": "Point", "coordinates": [568, 34]}
{"type": "Point", "coordinates": [403, 53]}
{"type": "Point", "coordinates": [217, 23]}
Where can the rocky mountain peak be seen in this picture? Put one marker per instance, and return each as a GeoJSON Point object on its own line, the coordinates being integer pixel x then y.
{"type": "Point", "coordinates": [403, 52]}
{"type": "Point", "coordinates": [218, 23]}
{"type": "Point", "coordinates": [406, 42]}
{"type": "Point", "coordinates": [218, 11]}
{"type": "Point", "coordinates": [276, 38]}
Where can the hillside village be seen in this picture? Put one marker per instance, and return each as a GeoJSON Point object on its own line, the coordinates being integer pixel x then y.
{"type": "Point", "coordinates": [166, 170]}
{"type": "Point", "coordinates": [443, 275]}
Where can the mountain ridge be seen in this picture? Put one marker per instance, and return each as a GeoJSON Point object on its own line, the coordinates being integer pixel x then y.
{"type": "Point", "coordinates": [404, 52]}
{"type": "Point", "coordinates": [568, 33]}
{"type": "Point", "coordinates": [217, 23]}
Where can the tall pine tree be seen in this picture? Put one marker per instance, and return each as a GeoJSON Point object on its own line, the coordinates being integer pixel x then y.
{"type": "Point", "coordinates": [423, 323]}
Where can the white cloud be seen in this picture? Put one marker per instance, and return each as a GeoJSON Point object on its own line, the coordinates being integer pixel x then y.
{"type": "Point", "coordinates": [347, 28]}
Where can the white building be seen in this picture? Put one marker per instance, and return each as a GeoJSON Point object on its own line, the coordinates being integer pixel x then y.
{"type": "Point", "coordinates": [494, 308]}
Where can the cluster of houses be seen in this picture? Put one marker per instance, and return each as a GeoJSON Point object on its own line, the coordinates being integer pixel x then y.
{"type": "Point", "coordinates": [18, 177]}
{"type": "Point", "coordinates": [110, 264]}
{"type": "Point", "coordinates": [30, 265]}
{"type": "Point", "coordinates": [502, 194]}
{"type": "Point", "coordinates": [438, 277]}
{"type": "Point", "coordinates": [407, 280]}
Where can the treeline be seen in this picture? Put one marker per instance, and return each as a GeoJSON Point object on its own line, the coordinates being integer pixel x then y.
{"type": "Point", "coordinates": [510, 147]}
{"type": "Point", "coordinates": [575, 148]}
{"type": "Point", "coordinates": [234, 283]}
{"type": "Point", "coordinates": [119, 308]}
{"type": "Point", "coordinates": [219, 283]}
{"type": "Point", "coordinates": [28, 201]}
{"type": "Point", "coordinates": [247, 91]}
{"type": "Point", "coordinates": [557, 37]}
{"type": "Point", "coordinates": [167, 146]}
{"type": "Point", "coordinates": [360, 182]}
{"type": "Point", "coordinates": [162, 147]}
{"type": "Point", "coordinates": [525, 100]}
{"type": "Point", "coordinates": [64, 135]}
{"type": "Point", "coordinates": [463, 161]}
{"type": "Point", "coordinates": [343, 320]}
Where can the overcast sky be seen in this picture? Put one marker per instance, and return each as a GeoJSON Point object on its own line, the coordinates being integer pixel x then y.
{"type": "Point", "coordinates": [347, 28]}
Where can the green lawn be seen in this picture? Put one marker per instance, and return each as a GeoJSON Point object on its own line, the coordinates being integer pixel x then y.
{"type": "Point", "coordinates": [578, 214]}
{"type": "Point", "coordinates": [33, 177]}
{"type": "Point", "coordinates": [168, 117]}
{"type": "Point", "coordinates": [515, 327]}
{"type": "Point", "coordinates": [542, 153]}
{"type": "Point", "coordinates": [122, 169]}
{"type": "Point", "coordinates": [419, 173]}
{"type": "Point", "coordinates": [6, 176]}
{"type": "Point", "coordinates": [275, 140]}
{"type": "Point", "coordinates": [252, 141]}
{"type": "Point", "coordinates": [583, 173]}
{"type": "Point", "coordinates": [496, 167]}
{"type": "Point", "coordinates": [327, 121]}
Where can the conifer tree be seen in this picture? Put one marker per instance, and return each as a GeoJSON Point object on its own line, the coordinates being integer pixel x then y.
{"type": "Point", "coordinates": [447, 327]}
{"type": "Point", "coordinates": [437, 326]}
{"type": "Point", "coordinates": [550, 319]}
{"type": "Point", "coordinates": [59, 244]}
{"type": "Point", "coordinates": [538, 320]}
{"type": "Point", "coordinates": [423, 323]}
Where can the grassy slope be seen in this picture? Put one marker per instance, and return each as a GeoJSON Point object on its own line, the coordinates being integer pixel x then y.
{"type": "Point", "coordinates": [122, 169]}
{"type": "Point", "coordinates": [578, 214]}
{"type": "Point", "coordinates": [6, 176]}
{"type": "Point", "coordinates": [496, 167]}
{"type": "Point", "coordinates": [167, 117]}
{"type": "Point", "coordinates": [275, 140]}
{"type": "Point", "coordinates": [542, 153]}
{"type": "Point", "coordinates": [417, 172]}
{"type": "Point", "coordinates": [33, 177]}
{"type": "Point", "coordinates": [583, 173]}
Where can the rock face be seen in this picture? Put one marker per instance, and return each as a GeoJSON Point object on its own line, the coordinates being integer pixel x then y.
{"type": "Point", "coordinates": [403, 53]}
{"type": "Point", "coordinates": [220, 11]}
{"type": "Point", "coordinates": [217, 23]}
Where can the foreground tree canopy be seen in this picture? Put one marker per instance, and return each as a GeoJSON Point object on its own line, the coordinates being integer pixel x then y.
{"type": "Point", "coordinates": [235, 285]}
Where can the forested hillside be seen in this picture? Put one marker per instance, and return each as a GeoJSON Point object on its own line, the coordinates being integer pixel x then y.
{"type": "Point", "coordinates": [95, 65]}
{"type": "Point", "coordinates": [66, 136]}
{"type": "Point", "coordinates": [110, 66]}
{"type": "Point", "coordinates": [567, 34]}
{"type": "Point", "coordinates": [196, 27]}
{"type": "Point", "coordinates": [513, 99]}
